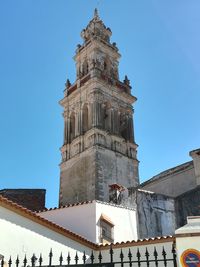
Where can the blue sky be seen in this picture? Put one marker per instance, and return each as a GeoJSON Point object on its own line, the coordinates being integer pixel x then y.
{"type": "Point", "coordinates": [159, 42]}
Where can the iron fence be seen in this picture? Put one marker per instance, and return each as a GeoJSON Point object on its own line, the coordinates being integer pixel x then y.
{"type": "Point", "coordinates": [129, 259]}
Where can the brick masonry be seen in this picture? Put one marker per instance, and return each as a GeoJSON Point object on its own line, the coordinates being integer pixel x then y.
{"type": "Point", "coordinates": [32, 199]}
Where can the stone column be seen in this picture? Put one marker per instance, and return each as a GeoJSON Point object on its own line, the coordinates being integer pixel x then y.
{"type": "Point", "coordinates": [130, 129]}
{"type": "Point", "coordinates": [65, 131]}
{"type": "Point", "coordinates": [96, 114]}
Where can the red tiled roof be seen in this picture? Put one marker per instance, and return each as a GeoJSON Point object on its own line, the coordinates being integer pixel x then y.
{"type": "Point", "coordinates": [139, 242]}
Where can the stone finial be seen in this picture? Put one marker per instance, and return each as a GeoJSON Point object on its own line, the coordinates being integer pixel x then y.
{"type": "Point", "coordinates": [68, 84]}
{"type": "Point", "coordinates": [96, 14]}
{"type": "Point", "coordinates": [126, 80]}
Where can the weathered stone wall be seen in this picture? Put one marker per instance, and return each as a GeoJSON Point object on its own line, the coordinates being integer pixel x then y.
{"type": "Point", "coordinates": [33, 199]}
{"type": "Point", "coordinates": [77, 178]}
{"type": "Point", "coordinates": [113, 167]}
{"type": "Point", "coordinates": [173, 182]}
{"type": "Point", "coordinates": [156, 214]}
{"type": "Point", "coordinates": [88, 175]}
{"type": "Point", "coordinates": [187, 204]}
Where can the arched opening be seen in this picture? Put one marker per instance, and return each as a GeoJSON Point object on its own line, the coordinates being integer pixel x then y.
{"type": "Point", "coordinates": [85, 121]}
{"type": "Point", "coordinates": [72, 126]}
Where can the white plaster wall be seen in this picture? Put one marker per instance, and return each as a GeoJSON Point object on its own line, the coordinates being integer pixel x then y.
{"type": "Point", "coordinates": [124, 219]}
{"type": "Point", "coordinates": [20, 236]}
{"type": "Point", "coordinates": [79, 219]}
{"type": "Point", "coordinates": [84, 220]}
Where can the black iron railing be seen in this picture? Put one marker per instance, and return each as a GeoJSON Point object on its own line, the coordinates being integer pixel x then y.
{"type": "Point", "coordinates": [132, 259]}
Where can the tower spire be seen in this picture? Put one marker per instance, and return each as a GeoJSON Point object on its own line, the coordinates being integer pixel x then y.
{"type": "Point", "coordinates": [96, 14]}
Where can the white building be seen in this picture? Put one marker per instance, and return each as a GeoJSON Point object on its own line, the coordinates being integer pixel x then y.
{"type": "Point", "coordinates": [23, 232]}
{"type": "Point", "coordinates": [97, 221]}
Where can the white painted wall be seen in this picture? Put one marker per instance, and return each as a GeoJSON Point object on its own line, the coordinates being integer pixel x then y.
{"type": "Point", "coordinates": [124, 220]}
{"type": "Point", "coordinates": [20, 236]}
{"type": "Point", "coordinates": [79, 219]}
{"type": "Point", "coordinates": [84, 219]}
{"type": "Point", "coordinates": [188, 236]}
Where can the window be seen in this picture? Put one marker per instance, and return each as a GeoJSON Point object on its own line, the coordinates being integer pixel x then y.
{"type": "Point", "coordinates": [106, 229]}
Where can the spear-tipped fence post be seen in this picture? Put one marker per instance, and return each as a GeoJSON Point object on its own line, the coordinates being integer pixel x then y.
{"type": "Point", "coordinates": [130, 257]}
{"type": "Point", "coordinates": [111, 254]}
{"type": "Point", "coordinates": [100, 257]}
{"type": "Point", "coordinates": [138, 257]}
{"type": "Point", "coordinates": [33, 260]}
{"type": "Point", "coordinates": [10, 262]}
{"type": "Point", "coordinates": [84, 257]}
{"type": "Point", "coordinates": [92, 257]}
{"type": "Point", "coordinates": [76, 258]}
{"type": "Point", "coordinates": [68, 258]}
{"type": "Point", "coordinates": [174, 254]}
{"type": "Point", "coordinates": [40, 260]}
{"type": "Point", "coordinates": [61, 259]}
{"type": "Point", "coordinates": [155, 253]}
{"type": "Point", "coordinates": [2, 262]}
{"type": "Point", "coordinates": [50, 257]}
{"type": "Point", "coordinates": [17, 261]}
{"type": "Point", "coordinates": [122, 258]}
{"type": "Point", "coordinates": [164, 257]}
{"type": "Point", "coordinates": [25, 261]}
{"type": "Point", "coordinates": [147, 256]}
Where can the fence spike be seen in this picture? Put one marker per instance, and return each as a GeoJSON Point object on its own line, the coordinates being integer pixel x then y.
{"type": "Point", "coordinates": [121, 255]}
{"type": "Point", "coordinates": [2, 262]}
{"type": "Point", "coordinates": [84, 257]}
{"type": "Point", "coordinates": [100, 257]}
{"type": "Point", "coordinates": [155, 253]}
{"type": "Point", "coordinates": [68, 258]}
{"type": "Point", "coordinates": [17, 261]}
{"type": "Point", "coordinates": [92, 257]}
{"type": "Point", "coordinates": [40, 260]}
{"type": "Point", "coordinates": [174, 254]}
{"type": "Point", "coordinates": [50, 257]}
{"type": "Point", "coordinates": [130, 255]}
{"type": "Point", "coordinates": [147, 256]}
{"type": "Point", "coordinates": [33, 260]}
{"type": "Point", "coordinates": [164, 256]}
{"type": "Point", "coordinates": [138, 257]}
{"type": "Point", "coordinates": [76, 258]}
{"type": "Point", "coordinates": [61, 259]}
{"type": "Point", "coordinates": [111, 254]}
{"type": "Point", "coordinates": [10, 262]}
{"type": "Point", "coordinates": [25, 261]}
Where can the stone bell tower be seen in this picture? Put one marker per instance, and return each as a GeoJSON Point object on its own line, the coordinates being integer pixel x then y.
{"type": "Point", "coordinates": [99, 147]}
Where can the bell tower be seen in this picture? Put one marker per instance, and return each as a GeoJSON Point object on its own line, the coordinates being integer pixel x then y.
{"type": "Point", "coordinates": [99, 147]}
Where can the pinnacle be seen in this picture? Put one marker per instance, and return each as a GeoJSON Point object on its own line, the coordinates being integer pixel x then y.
{"type": "Point", "coordinates": [96, 14]}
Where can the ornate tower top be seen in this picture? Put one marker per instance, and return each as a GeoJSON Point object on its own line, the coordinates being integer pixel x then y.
{"type": "Point", "coordinates": [96, 30]}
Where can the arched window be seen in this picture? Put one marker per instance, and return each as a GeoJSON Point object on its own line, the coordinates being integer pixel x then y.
{"type": "Point", "coordinates": [85, 124]}
{"type": "Point", "coordinates": [72, 126]}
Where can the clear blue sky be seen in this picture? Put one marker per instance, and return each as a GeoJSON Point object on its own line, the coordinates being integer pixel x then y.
{"type": "Point", "coordinates": [160, 46]}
